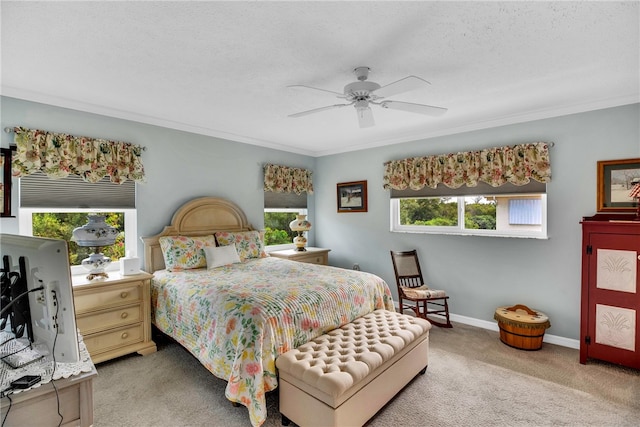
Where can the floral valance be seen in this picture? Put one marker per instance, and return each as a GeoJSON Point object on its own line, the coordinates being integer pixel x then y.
{"type": "Point", "coordinates": [284, 179]}
{"type": "Point", "coordinates": [496, 166]}
{"type": "Point", "coordinates": [59, 155]}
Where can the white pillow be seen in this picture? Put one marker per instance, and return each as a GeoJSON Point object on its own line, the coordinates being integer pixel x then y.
{"type": "Point", "coordinates": [221, 255]}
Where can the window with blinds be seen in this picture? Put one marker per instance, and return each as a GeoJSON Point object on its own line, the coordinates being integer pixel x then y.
{"type": "Point", "coordinates": [53, 208]}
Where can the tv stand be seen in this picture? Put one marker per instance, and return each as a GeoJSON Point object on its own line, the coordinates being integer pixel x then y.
{"type": "Point", "coordinates": [38, 405]}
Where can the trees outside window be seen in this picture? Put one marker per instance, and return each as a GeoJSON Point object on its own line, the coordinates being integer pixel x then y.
{"type": "Point", "coordinates": [276, 225]}
{"type": "Point", "coordinates": [60, 225]}
{"type": "Point", "coordinates": [475, 215]}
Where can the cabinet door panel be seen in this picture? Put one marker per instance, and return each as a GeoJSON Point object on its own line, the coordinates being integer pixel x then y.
{"type": "Point", "coordinates": [614, 298]}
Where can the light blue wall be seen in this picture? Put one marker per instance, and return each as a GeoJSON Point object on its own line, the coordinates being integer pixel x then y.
{"type": "Point", "coordinates": [480, 273]}
{"type": "Point", "coordinates": [179, 165]}
{"type": "Point", "coordinates": [483, 273]}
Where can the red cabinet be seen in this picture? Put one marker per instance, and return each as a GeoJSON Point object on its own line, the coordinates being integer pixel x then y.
{"type": "Point", "coordinates": [610, 308]}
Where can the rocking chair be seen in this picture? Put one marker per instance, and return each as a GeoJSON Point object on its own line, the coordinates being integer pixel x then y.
{"type": "Point", "coordinates": [412, 289]}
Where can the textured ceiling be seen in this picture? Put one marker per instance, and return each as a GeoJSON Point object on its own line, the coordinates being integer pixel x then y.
{"type": "Point", "coordinates": [222, 68]}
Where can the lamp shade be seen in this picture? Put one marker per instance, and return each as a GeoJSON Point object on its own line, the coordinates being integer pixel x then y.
{"type": "Point", "coordinates": [300, 223]}
{"type": "Point", "coordinates": [95, 233]}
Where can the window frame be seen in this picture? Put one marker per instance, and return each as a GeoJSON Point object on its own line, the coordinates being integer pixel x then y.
{"type": "Point", "coordinates": [396, 227]}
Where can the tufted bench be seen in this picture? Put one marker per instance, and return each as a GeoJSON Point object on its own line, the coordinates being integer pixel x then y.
{"type": "Point", "coordinates": [342, 378]}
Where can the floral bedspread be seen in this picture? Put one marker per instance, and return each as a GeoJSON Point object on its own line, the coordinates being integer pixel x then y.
{"type": "Point", "coordinates": [237, 319]}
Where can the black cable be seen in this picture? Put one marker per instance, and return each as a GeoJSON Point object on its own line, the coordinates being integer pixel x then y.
{"type": "Point", "coordinates": [6, 307]}
{"type": "Point", "coordinates": [9, 409]}
{"type": "Point", "coordinates": [53, 353]}
{"type": "Point", "coordinates": [10, 339]}
{"type": "Point", "coordinates": [15, 352]}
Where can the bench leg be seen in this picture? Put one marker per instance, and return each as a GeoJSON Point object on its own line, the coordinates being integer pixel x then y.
{"type": "Point", "coordinates": [285, 421]}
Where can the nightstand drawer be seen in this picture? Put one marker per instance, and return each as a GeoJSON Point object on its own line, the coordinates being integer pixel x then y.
{"type": "Point", "coordinates": [310, 256]}
{"type": "Point", "coordinates": [314, 259]}
{"type": "Point", "coordinates": [107, 319]}
{"type": "Point", "coordinates": [116, 338]}
{"type": "Point", "coordinates": [110, 296]}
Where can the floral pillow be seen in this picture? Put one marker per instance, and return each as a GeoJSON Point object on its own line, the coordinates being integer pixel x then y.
{"type": "Point", "coordinates": [185, 253]}
{"type": "Point", "coordinates": [249, 244]}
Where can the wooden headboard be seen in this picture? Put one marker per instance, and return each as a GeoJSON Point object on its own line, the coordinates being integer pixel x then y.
{"type": "Point", "coordinates": [198, 217]}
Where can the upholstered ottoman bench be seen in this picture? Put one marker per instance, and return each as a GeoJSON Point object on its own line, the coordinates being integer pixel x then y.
{"type": "Point", "coordinates": [342, 378]}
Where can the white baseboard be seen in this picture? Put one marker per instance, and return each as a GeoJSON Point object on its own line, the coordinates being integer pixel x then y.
{"type": "Point", "coordinates": [493, 326]}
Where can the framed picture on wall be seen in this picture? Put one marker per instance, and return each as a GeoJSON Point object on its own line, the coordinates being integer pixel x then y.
{"type": "Point", "coordinates": [616, 178]}
{"type": "Point", "coordinates": [5, 181]}
{"type": "Point", "coordinates": [352, 196]}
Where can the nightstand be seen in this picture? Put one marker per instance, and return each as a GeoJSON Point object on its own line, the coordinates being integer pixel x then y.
{"type": "Point", "coordinates": [311, 255]}
{"type": "Point", "coordinates": [114, 314]}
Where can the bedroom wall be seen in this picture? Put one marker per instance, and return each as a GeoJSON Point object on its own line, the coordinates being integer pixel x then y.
{"type": "Point", "coordinates": [483, 273]}
{"type": "Point", "coordinates": [179, 165]}
{"type": "Point", "coordinates": [480, 273]}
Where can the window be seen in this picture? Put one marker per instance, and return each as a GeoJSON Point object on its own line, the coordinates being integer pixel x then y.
{"type": "Point", "coordinates": [53, 208]}
{"type": "Point", "coordinates": [276, 224]}
{"type": "Point", "coordinates": [505, 215]}
{"type": "Point", "coordinates": [59, 224]}
{"type": "Point", "coordinates": [279, 210]}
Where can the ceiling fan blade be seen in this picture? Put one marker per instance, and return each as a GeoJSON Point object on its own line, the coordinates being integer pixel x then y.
{"type": "Point", "coordinates": [414, 108]}
{"type": "Point", "coordinates": [365, 117]}
{"type": "Point", "coordinates": [338, 94]}
{"type": "Point", "coordinates": [317, 110]}
{"type": "Point", "coordinates": [403, 85]}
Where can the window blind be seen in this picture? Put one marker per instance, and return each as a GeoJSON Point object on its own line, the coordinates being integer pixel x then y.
{"type": "Point", "coordinates": [482, 189]}
{"type": "Point", "coordinates": [273, 200]}
{"type": "Point", "coordinates": [525, 212]}
{"type": "Point", "coordinates": [38, 191]}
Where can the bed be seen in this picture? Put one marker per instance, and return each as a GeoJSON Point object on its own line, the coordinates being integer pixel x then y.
{"type": "Point", "coordinates": [237, 318]}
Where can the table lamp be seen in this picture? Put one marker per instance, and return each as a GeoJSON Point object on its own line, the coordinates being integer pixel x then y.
{"type": "Point", "coordinates": [95, 234]}
{"type": "Point", "coordinates": [300, 224]}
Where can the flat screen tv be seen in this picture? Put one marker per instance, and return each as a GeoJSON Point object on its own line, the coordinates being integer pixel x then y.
{"type": "Point", "coordinates": [50, 320]}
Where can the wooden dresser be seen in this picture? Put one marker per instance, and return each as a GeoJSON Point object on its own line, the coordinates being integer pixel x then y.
{"type": "Point", "coordinates": [610, 309]}
{"type": "Point", "coordinates": [114, 314]}
{"type": "Point", "coordinates": [311, 255]}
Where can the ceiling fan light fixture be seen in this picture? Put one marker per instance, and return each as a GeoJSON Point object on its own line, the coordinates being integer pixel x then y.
{"type": "Point", "coordinates": [362, 104]}
{"type": "Point", "coordinates": [362, 93]}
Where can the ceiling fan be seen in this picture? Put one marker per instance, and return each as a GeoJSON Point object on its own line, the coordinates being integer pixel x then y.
{"type": "Point", "coordinates": [363, 93]}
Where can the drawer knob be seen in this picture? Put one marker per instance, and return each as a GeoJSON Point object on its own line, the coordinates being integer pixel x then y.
{"type": "Point", "coordinates": [124, 315]}
{"type": "Point", "coordinates": [124, 335]}
{"type": "Point", "coordinates": [124, 294]}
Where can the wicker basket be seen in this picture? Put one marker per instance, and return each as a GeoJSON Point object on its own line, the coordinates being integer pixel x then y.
{"type": "Point", "coordinates": [521, 327]}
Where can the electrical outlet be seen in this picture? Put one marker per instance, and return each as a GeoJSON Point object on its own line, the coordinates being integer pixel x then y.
{"type": "Point", "coordinates": [40, 297]}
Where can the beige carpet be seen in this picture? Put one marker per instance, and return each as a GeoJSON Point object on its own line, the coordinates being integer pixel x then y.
{"type": "Point", "coordinates": [472, 380]}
